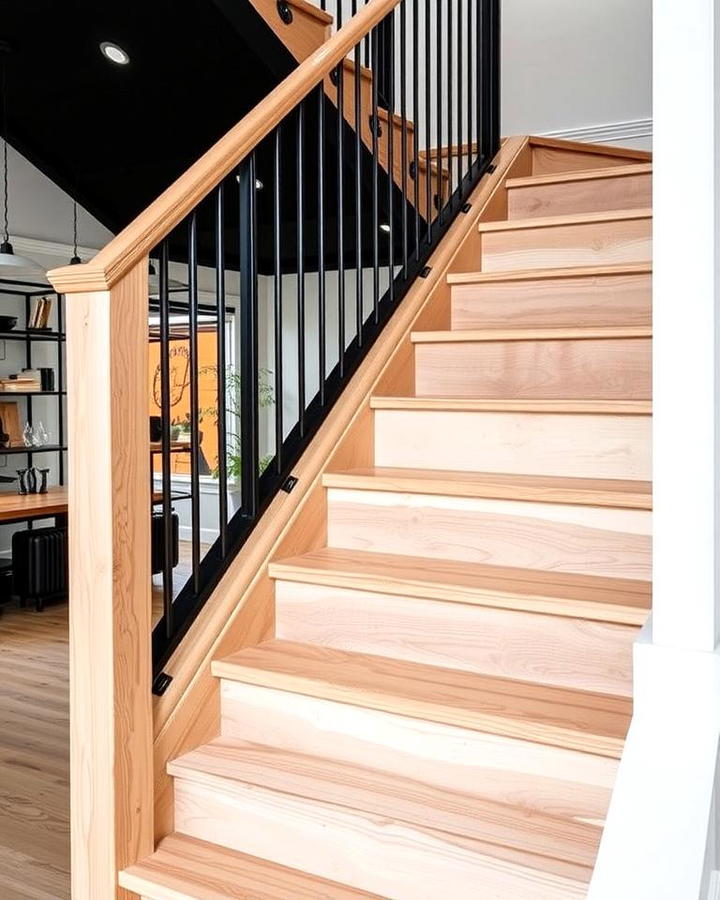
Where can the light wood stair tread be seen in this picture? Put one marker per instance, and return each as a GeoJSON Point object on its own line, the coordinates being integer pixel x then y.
{"type": "Point", "coordinates": [618, 600]}
{"type": "Point", "coordinates": [396, 119]}
{"type": "Point", "coordinates": [573, 219]}
{"type": "Point", "coordinates": [368, 790]}
{"type": "Point", "coordinates": [349, 67]}
{"type": "Point", "coordinates": [534, 488]}
{"type": "Point", "coordinates": [580, 720]}
{"type": "Point", "coordinates": [472, 404]}
{"type": "Point", "coordinates": [640, 268]}
{"type": "Point", "coordinates": [580, 175]}
{"type": "Point", "coordinates": [546, 333]}
{"type": "Point", "coordinates": [184, 868]}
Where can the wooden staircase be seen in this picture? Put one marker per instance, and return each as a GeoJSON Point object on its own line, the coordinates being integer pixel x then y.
{"type": "Point", "coordinates": [444, 703]}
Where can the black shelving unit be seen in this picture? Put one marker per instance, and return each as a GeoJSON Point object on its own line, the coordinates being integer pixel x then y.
{"type": "Point", "coordinates": [29, 291]}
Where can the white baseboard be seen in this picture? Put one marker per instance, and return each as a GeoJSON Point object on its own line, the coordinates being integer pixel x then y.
{"type": "Point", "coordinates": [207, 535]}
{"type": "Point", "coordinates": [610, 133]}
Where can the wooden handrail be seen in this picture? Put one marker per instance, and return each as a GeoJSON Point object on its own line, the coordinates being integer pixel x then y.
{"type": "Point", "coordinates": [136, 241]}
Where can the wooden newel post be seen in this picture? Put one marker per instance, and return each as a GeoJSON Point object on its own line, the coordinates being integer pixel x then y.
{"type": "Point", "coordinates": [110, 603]}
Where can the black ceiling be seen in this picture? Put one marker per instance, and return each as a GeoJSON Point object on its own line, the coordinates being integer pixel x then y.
{"type": "Point", "coordinates": [115, 136]}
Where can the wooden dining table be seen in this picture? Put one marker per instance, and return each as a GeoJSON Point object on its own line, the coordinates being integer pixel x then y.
{"type": "Point", "coordinates": [16, 507]}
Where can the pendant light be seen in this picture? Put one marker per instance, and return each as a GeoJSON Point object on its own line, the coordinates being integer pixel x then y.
{"type": "Point", "coordinates": [154, 282]}
{"type": "Point", "coordinates": [11, 264]}
{"type": "Point", "coordinates": [75, 260]}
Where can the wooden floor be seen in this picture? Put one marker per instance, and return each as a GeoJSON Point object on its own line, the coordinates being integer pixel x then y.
{"type": "Point", "coordinates": [34, 754]}
{"type": "Point", "coordinates": [34, 747]}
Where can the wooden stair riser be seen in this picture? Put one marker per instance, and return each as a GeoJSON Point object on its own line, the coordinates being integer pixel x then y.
{"type": "Point", "coordinates": [550, 156]}
{"type": "Point", "coordinates": [183, 868]}
{"type": "Point", "coordinates": [583, 539]}
{"type": "Point", "coordinates": [580, 445]}
{"type": "Point", "coordinates": [586, 195]}
{"type": "Point", "coordinates": [594, 300]}
{"type": "Point", "coordinates": [573, 653]}
{"type": "Point", "coordinates": [602, 369]}
{"type": "Point", "coordinates": [387, 858]}
{"type": "Point", "coordinates": [549, 780]}
{"type": "Point", "coordinates": [547, 246]}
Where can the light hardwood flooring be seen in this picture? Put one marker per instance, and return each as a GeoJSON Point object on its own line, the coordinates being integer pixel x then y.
{"type": "Point", "coordinates": [34, 747]}
{"type": "Point", "coordinates": [34, 754]}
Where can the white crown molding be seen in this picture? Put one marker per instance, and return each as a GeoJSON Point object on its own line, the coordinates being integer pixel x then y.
{"type": "Point", "coordinates": [610, 133]}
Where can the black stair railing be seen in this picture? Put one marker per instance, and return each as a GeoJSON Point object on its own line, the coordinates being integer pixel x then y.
{"type": "Point", "coordinates": [273, 289]}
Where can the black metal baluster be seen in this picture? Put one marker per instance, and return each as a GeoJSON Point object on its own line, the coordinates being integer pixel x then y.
{"type": "Point", "coordinates": [340, 217]}
{"type": "Point", "coordinates": [403, 133]}
{"type": "Point", "coordinates": [248, 340]}
{"type": "Point", "coordinates": [450, 100]}
{"type": "Point", "coordinates": [494, 99]}
{"type": "Point", "coordinates": [278, 303]}
{"type": "Point", "coordinates": [221, 363]}
{"type": "Point", "coordinates": [439, 113]}
{"type": "Point", "coordinates": [416, 123]}
{"type": "Point", "coordinates": [374, 124]}
{"type": "Point", "coordinates": [471, 86]}
{"type": "Point", "coordinates": [480, 79]}
{"type": "Point", "coordinates": [428, 124]}
{"type": "Point", "coordinates": [390, 82]}
{"type": "Point", "coordinates": [321, 240]}
{"type": "Point", "coordinates": [360, 313]}
{"type": "Point", "coordinates": [300, 230]}
{"type": "Point", "coordinates": [458, 159]}
{"type": "Point", "coordinates": [194, 401]}
{"type": "Point", "coordinates": [164, 311]}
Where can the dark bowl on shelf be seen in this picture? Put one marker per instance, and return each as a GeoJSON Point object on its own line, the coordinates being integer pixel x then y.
{"type": "Point", "coordinates": [7, 323]}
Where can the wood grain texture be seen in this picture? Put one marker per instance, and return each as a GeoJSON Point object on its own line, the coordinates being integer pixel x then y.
{"type": "Point", "coordinates": [544, 443]}
{"type": "Point", "coordinates": [593, 239]}
{"type": "Point", "coordinates": [308, 31]}
{"type": "Point", "coordinates": [464, 404]}
{"type": "Point", "coordinates": [616, 600]}
{"type": "Point", "coordinates": [385, 857]}
{"type": "Point", "coordinates": [555, 650]}
{"type": "Point", "coordinates": [34, 754]}
{"type": "Point", "coordinates": [588, 297]}
{"type": "Point", "coordinates": [110, 615]}
{"type": "Point", "coordinates": [388, 796]}
{"type": "Point", "coordinates": [536, 333]}
{"type": "Point", "coordinates": [183, 868]}
{"type": "Point", "coordinates": [14, 506]}
{"type": "Point", "coordinates": [577, 720]}
{"type": "Point", "coordinates": [536, 488]}
{"type": "Point", "coordinates": [239, 609]}
{"type": "Point", "coordinates": [581, 539]}
{"type": "Point", "coordinates": [621, 187]}
{"type": "Point", "coordinates": [530, 776]}
{"type": "Point", "coordinates": [592, 368]}
{"type": "Point", "coordinates": [550, 155]}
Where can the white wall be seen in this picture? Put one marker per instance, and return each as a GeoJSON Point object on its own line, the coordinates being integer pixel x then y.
{"type": "Point", "coordinates": [574, 64]}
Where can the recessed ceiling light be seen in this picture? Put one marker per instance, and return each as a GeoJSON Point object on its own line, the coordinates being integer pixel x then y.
{"type": "Point", "coordinates": [114, 53]}
{"type": "Point", "coordinates": [385, 227]}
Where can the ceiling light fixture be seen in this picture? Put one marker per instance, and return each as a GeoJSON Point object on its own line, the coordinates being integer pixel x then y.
{"type": "Point", "coordinates": [114, 54]}
{"type": "Point", "coordinates": [11, 265]}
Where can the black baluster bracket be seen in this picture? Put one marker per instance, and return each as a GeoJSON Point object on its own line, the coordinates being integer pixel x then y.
{"type": "Point", "coordinates": [284, 11]}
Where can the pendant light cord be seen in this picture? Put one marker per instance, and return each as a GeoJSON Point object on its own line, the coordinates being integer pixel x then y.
{"type": "Point", "coordinates": [6, 226]}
